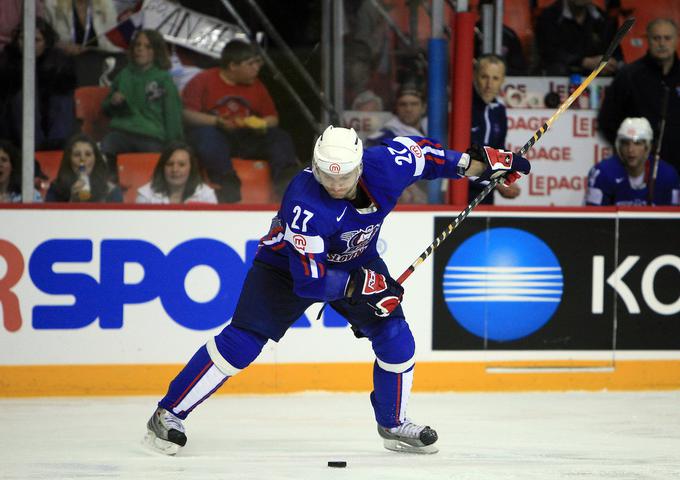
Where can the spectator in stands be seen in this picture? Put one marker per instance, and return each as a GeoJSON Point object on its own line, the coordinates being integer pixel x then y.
{"type": "Point", "coordinates": [571, 36]}
{"type": "Point", "coordinates": [360, 86]}
{"type": "Point", "coordinates": [489, 120]}
{"type": "Point", "coordinates": [408, 120]}
{"type": "Point", "coordinates": [54, 86]}
{"type": "Point", "coordinates": [144, 105]}
{"type": "Point", "coordinates": [83, 175]}
{"type": "Point", "coordinates": [176, 179]}
{"type": "Point", "coordinates": [81, 24]}
{"type": "Point", "coordinates": [230, 113]}
{"type": "Point", "coordinates": [10, 174]}
{"type": "Point", "coordinates": [623, 178]}
{"type": "Point", "coordinates": [11, 14]}
{"type": "Point", "coordinates": [367, 101]}
{"type": "Point", "coordinates": [372, 30]}
{"type": "Point", "coordinates": [638, 89]}
{"type": "Point", "coordinates": [512, 47]}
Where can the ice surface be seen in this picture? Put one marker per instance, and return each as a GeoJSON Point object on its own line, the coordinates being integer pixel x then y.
{"type": "Point", "coordinates": [524, 436]}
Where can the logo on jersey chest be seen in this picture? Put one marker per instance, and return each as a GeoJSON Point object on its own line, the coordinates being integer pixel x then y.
{"type": "Point", "coordinates": [357, 242]}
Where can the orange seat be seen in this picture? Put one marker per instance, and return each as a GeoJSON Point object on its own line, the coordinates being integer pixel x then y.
{"type": "Point", "coordinates": [135, 170]}
{"type": "Point", "coordinates": [49, 161]}
{"type": "Point", "coordinates": [88, 102]}
{"type": "Point", "coordinates": [256, 180]}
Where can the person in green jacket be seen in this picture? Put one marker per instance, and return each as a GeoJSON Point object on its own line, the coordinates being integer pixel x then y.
{"type": "Point", "coordinates": [144, 104]}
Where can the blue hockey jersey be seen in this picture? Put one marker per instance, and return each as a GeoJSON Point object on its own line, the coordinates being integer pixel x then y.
{"type": "Point", "coordinates": [609, 184]}
{"type": "Point", "coordinates": [320, 240]}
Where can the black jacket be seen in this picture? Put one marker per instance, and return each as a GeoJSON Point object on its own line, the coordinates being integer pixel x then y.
{"type": "Point", "coordinates": [489, 127]}
{"type": "Point", "coordinates": [637, 91]}
{"type": "Point", "coordinates": [562, 43]}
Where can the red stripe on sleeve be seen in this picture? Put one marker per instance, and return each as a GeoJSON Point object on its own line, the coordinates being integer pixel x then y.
{"type": "Point", "coordinates": [305, 265]}
{"type": "Point", "coordinates": [427, 141]}
{"type": "Point", "coordinates": [432, 158]}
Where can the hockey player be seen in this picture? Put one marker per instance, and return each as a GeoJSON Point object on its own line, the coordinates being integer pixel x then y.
{"type": "Point", "coordinates": [321, 247]}
{"type": "Point", "coordinates": [622, 179]}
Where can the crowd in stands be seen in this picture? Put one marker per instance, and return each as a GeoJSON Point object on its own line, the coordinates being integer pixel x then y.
{"type": "Point", "coordinates": [569, 38]}
{"type": "Point", "coordinates": [224, 112]}
{"type": "Point", "coordinates": [198, 122]}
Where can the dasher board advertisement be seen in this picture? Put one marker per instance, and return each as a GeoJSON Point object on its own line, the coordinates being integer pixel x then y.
{"type": "Point", "coordinates": [580, 283]}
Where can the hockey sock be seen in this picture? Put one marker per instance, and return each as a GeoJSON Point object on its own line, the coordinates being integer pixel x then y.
{"type": "Point", "coordinates": [222, 357]}
{"type": "Point", "coordinates": [394, 348]}
{"type": "Point", "coordinates": [390, 395]}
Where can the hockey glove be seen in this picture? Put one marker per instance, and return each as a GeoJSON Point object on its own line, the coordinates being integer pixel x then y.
{"type": "Point", "coordinates": [382, 293]}
{"type": "Point", "coordinates": [500, 163]}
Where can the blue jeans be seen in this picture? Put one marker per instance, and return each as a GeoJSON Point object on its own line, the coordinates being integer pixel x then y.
{"type": "Point", "coordinates": [117, 141]}
{"type": "Point", "coordinates": [215, 148]}
{"type": "Point", "coordinates": [54, 120]}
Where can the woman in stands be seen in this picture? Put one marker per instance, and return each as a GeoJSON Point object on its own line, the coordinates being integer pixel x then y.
{"type": "Point", "coordinates": [55, 82]}
{"type": "Point", "coordinates": [83, 176]}
{"type": "Point", "coordinates": [176, 179]}
{"type": "Point", "coordinates": [144, 105]}
{"type": "Point", "coordinates": [10, 174]}
{"type": "Point", "coordinates": [81, 24]}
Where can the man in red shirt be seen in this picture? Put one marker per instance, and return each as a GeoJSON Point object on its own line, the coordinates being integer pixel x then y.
{"type": "Point", "coordinates": [229, 112]}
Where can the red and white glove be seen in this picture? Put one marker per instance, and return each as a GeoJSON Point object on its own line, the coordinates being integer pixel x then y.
{"type": "Point", "coordinates": [500, 163]}
{"type": "Point", "coordinates": [381, 292]}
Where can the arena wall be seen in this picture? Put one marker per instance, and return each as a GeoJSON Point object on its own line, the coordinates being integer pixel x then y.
{"type": "Point", "coordinates": [99, 301]}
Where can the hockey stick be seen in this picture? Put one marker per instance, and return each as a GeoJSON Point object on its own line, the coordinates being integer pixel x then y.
{"type": "Point", "coordinates": [657, 153]}
{"type": "Point", "coordinates": [538, 134]}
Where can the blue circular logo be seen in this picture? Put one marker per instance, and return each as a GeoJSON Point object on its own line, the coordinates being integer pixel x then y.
{"type": "Point", "coordinates": [502, 284]}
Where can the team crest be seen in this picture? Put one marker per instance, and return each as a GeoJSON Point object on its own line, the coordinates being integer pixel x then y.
{"type": "Point", "coordinates": [357, 242]}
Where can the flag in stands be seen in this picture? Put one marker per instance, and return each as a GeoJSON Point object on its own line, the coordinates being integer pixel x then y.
{"type": "Point", "coordinates": [130, 21]}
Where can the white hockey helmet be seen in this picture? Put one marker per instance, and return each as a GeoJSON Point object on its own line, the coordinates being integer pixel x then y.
{"type": "Point", "coordinates": [338, 151]}
{"type": "Point", "coordinates": [635, 129]}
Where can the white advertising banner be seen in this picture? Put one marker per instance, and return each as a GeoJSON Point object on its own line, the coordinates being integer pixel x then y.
{"type": "Point", "coordinates": [110, 302]}
{"type": "Point", "coordinates": [530, 92]}
{"type": "Point", "coordinates": [151, 286]}
{"type": "Point", "coordinates": [364, 123]}
{"type": "Point", "coordinates": [187, 28]}
{"type": "Point", "coordinates": [561, 158]}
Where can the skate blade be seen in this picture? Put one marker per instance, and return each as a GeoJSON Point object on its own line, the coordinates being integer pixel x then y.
{"type": "Point", "coordinates": [159, 445]}
{"type": "Point", "coordinates": [402, 447]}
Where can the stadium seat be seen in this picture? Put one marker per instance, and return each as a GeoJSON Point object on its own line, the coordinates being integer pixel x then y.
{"type": "Point", "coordinates": [134, 170]}
{"type": "Point", "coordinates": [49, 161]}
{"type": "Point", "coordinates": [256, 183]}
{"type": "Point", "coordinates": [88, 102]}
{"type": "Point", "coordinates": [517, 16]}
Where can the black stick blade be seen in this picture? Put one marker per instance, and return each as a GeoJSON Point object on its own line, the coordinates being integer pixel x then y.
{"type": "Point", "coordinates": [617, 39]}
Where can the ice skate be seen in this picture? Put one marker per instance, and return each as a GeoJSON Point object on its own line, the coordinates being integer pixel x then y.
{"type": "Point", "coordinates": [165, 432]}
{"type": "Point", "coordinates": [409, 438]}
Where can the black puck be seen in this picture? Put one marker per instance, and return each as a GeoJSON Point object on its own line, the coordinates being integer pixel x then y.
{"type": "Point", "coordinates": [337, 464]}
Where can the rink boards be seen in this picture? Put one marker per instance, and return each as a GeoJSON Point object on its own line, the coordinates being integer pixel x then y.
{"type": "Point", "coordinates": [107, 302]}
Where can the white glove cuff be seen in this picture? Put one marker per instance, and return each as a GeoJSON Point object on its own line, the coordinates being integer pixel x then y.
{"type": "Point", "coordinates": [463, 164]}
